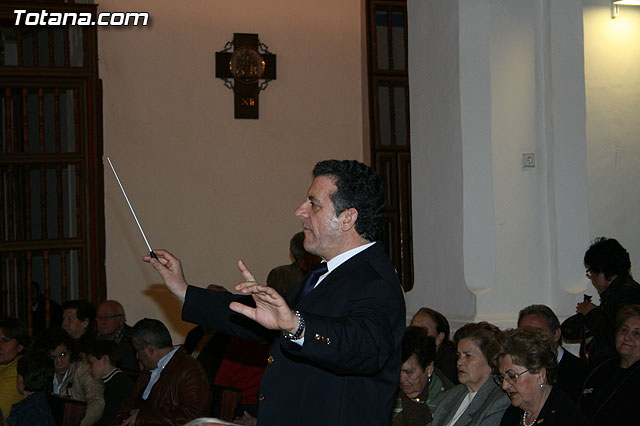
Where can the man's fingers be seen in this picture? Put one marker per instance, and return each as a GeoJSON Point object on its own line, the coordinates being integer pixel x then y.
{"type": "Point", "coordinates": [245, 310]}
{"type": "Point", "coordinates": [256, 289]}
{"type": "Point", "coordinates": [246, 273]}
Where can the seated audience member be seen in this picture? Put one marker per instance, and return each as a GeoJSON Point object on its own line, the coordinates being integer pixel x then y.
{"type": "Point", "coordinates": [610, 395]}
{"type": "Point", "coordinates": [525, 364]}
{"type": "Point", "coordinates": [437, 327]}
{"type": "Point", "coordinates": [286, 278]}
{"type": "Point", "coordinates": [78, 320]}
{"type": "Point", "coordinates": [14, 340]}
{"type": "Point", "coordinates": [112, 326]}
{"type": "Point", "coordinates": [477, 400]}
{"type": "Point", "coordinates": [422, 386]}
{"type": "Point", "coordinates": [72, 376]}
{"type": "Point", "coordinates": [571, 369]}
{"type": "Point", "coordinates": [608, 267]}
{"type": "Point", "coordinates": [39, 310]}
{"type": "Point", "coordinates": [173, 387]}
{"type": "Point", "coordinates": [35, 372]}
{"type": "Point", "coordinates": [103, 358]}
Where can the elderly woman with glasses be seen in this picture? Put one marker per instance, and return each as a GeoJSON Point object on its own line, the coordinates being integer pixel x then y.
{"type": "Point", "coordinates": [72, 376]}
{"type": "Point", "coordinates": [477, 400]}
{"type": "Point", "coordinates": [610, 394]}
{"type": "Point", "coordinates": [525, 364]}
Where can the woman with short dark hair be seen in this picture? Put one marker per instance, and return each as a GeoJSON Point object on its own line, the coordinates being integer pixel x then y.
{"type": "Point", "coordinates": [525, 365]}
{"type": "Point", "coordinates": [608, 266]}
{"type": "Point", "coordinates": [421, 385]}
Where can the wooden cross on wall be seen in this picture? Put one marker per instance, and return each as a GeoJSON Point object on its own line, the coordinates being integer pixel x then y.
{"type": "Point", "coordinates": [243, 69]}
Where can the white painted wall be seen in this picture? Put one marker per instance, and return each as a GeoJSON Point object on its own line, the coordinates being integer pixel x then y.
{"type": "Point", "coordinates": [612, 75]}
{"type": "Point", "coordinates": [513, 76]}
{"type": "Point", "coordinates": [210, 188]}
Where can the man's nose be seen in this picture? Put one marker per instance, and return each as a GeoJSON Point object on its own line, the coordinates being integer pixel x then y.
{"type": "Point", "coordinates": [301, 211]}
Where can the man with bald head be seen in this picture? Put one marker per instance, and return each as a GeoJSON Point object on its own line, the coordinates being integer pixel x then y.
{"type": "Point", "coordinates": [112, 326]}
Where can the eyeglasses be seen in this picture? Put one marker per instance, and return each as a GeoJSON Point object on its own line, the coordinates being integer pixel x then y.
{"type": "Point", "coordinates": [61, 355]}
{"type": "Point", "coordinates": [510, 376]}
{"type": "Point", "coordinates": [107, 317]}
{"type": "Point", "coordinates": [589, 273]}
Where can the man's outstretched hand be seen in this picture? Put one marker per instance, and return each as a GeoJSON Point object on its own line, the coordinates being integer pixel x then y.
{"type": "Point", "coordinates": [271, 309]}
{"type": "Point", "coordinates": [170, 270]}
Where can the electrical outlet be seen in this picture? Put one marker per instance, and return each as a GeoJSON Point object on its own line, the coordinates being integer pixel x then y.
{"type": "Point", "coordinates": [528, 159]}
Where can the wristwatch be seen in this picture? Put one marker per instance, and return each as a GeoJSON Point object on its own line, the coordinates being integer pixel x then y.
{"type": "Point", "coordinates": [298, 333]}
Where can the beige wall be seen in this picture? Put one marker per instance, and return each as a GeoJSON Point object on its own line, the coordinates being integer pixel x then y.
{"type": "Point", "coordinates": [210, 188]}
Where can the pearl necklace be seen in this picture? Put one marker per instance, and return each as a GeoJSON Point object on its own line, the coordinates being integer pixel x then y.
{"type": "Point", "coordinates": [524, 420]}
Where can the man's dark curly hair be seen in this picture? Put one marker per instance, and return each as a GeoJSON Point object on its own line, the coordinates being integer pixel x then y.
{"type": "Point", "coordinates": [359, 187]}
{"type": "Point", "coordinates": [608, 256]}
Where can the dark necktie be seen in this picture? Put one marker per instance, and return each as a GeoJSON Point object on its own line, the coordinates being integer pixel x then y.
{"type": "Point", "coordinates": [311, 279]}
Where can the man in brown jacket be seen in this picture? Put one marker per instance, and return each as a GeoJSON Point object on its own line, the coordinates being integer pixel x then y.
{"type": "Point", "coordinates": [173, 387]}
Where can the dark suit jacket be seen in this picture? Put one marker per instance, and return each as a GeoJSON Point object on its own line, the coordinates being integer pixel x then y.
{"type": "Point", "coordinates": [347, 371]}
{"type": "Point", "coordinates": [571, 374]}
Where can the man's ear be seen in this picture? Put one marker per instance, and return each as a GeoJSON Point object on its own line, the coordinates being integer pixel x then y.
{"type": "Point", "coordinates": [348, 219]}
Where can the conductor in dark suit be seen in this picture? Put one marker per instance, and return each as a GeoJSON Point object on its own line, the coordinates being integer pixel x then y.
{"type": "Point", "coordinates": [335, 357]}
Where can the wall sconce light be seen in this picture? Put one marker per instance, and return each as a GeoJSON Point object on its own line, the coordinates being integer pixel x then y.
{"type": "Point", "coordinates": [615, 3]}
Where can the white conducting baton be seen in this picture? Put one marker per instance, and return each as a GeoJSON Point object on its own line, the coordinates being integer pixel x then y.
{"type": "Point", "coordinates": [151, 253]}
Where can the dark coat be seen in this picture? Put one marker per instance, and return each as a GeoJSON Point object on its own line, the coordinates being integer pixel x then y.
{"type": "Point", "coordinates": [558, 410]}
{"type": "Point", "coordinates": [180, 395]}
{"type": "Point", "coordinates": [347, 371]}
{"type": "Point", "coordinates": [610, 395]}
{"type": "Point", "coordinates": [31, 411]}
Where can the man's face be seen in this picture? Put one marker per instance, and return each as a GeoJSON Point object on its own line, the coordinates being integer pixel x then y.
{"type": "Point", "coordinates": [425, 321]}
{"type": "Point", "coordinates": [538, 322]}
{"type": "Point", "coordinates": [72, 325]}
{"type": "Point", "coordinates": [320, 224]}
{"type": "Point", "coordinates": [144, 356]}
{"type": "Point", "coordinates": [110, 319]}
